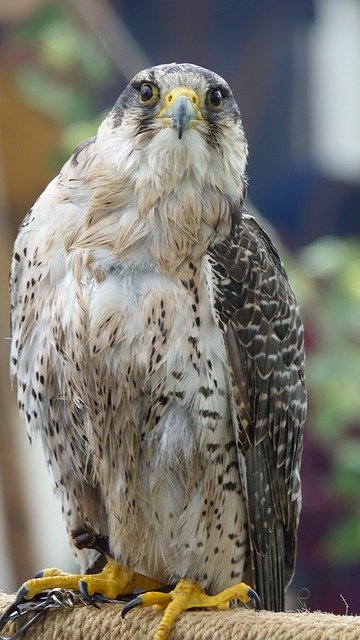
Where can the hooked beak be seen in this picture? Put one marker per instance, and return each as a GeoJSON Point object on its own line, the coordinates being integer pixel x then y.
{"type": "Point", "coordinates": [182, 113]}
{"type": "Point", "coordinates": [182, 108]}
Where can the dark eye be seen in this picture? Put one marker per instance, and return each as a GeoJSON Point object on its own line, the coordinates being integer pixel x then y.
{"type": "Point", "coordinates": [148, 92]}
{"type": "Point", "coordinates": [215, 97]}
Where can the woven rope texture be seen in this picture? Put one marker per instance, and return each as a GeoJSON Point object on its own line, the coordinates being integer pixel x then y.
{"type": "Point", "coordinates": [86, 623]}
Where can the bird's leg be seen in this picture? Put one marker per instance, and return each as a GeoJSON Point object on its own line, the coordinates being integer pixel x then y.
{"type": "Point", "coordinates": [189, 595]}
{"type": "Point", "coordinates": [112, 581]}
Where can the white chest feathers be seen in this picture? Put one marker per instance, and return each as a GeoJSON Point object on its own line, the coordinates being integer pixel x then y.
{"type": "Point", "coordinates": [160, 361]}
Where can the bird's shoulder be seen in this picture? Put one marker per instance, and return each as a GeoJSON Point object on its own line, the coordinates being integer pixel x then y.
{"type": "Point", "coordinates": [248, 256]}
{"type": "Point", "coordinates": [263, 330]}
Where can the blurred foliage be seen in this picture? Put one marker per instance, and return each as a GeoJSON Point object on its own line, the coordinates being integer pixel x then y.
{"type": "Point", "coordinates": [330, 268]}
{"type": "Point", "coordinates": [63, 72]}
{"type": "Point", "coordinates": [326, 278]}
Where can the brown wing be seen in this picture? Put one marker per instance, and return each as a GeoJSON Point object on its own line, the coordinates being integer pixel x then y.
{"type": "Point", "coordinates": [264, 337]}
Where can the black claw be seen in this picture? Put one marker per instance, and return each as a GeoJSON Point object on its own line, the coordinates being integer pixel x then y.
{"type": "Point", "coordinates": [252, 594]}
{"type": "Point", "coordinates": [20, 596]}
{"type": "Point", "coordinates": [39, 574]}
{"type": "Point", "coordinates": [83, 588]}
{"type": "Point", "coordinates": [7, 614]}
{"type": "Point", "coordinates": [135, 602]}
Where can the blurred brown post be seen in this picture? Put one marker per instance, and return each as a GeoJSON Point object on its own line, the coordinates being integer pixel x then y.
{"type": "Point", "coordinates": [16, 523]}
{"type": "Point", "coordinates": [23, 175]}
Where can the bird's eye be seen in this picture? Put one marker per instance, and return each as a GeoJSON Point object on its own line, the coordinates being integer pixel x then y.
{"type": "Point", "coordinates": [148, 92]}
{"type": "Point", "coordinates": [215, 97]}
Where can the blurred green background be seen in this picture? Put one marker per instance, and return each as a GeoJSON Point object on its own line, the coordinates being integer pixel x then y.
{"type": "Point", "coordinates": [294, 70]}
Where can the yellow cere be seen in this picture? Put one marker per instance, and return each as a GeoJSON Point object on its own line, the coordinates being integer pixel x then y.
{"type": "Point", "coordinates": [185, 92]}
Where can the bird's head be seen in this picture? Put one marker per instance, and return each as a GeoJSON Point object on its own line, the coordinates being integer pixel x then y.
{"type": "Point", "coordinates": [173, 120]}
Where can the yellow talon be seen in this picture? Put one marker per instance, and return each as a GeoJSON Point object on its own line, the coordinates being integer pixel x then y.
{"type": "Point", "coordinates": [50, 579]}
{"type": "Point", "coordinates": [189, 595]}
{"type": "Point", "coordinates": [114, 580]}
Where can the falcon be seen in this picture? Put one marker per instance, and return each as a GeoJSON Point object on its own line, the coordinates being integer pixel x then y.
{"type": "Point", "coordinates": [158, 352]}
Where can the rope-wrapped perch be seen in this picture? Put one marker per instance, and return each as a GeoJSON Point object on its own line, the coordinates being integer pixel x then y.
{"type": "Point", "coordinates": [87, 623]}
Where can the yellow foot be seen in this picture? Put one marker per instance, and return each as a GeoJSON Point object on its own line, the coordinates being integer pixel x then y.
{"type": "Point", "coordinates": [189, 595]}
{"type": "Point", "coordinates": [114, 580]}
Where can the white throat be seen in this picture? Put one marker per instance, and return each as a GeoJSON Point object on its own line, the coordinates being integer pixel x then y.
{"type": "Point", "coordinates": [172, 196]}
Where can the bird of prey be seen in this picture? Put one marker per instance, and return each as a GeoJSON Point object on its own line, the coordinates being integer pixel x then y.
{"type": "Point", "coordinates": [158, 352]}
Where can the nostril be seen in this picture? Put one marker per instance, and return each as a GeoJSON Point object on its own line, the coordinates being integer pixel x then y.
{"type": "Point", "coordinates": [170, 98]}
